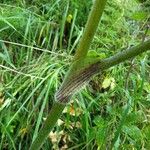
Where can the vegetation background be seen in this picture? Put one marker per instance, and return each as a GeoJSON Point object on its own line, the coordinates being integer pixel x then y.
{"type": "Point", "coordinates": [37, 41]}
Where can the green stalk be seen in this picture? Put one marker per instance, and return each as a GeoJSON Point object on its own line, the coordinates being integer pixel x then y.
{"type": "Point", "coordinates": [57, 108]}
{"type": "Point", "coordinates": [90, 28]}
{"type": "Point", "coordinates": [49, 123]}
{"type": "Point", "coordinates": [125, 55]}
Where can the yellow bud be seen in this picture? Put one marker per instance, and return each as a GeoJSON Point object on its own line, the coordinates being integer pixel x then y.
{"type": "Point", "coordinates": [69, 18]}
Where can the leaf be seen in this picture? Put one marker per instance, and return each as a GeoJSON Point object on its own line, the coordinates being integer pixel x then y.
{"type": "Point", "coordinates": [135, 117]}
{"type": "Point", "coordinates": [146, 87]}
{"type": "Point", "coordinates": [139, 16]}
{"type": "Point", "coordinates": [100, 136]}
{"type": "Point", "coordinates": [146, 132]}
{"type": "Point", "coordinates": [6, 103]}
{"type": "Point", "coordinates": [108, 82]}
{"type": "Point", "coordinates": [133, 131]}
{"type": "Point", "coordinates": [117, 144]}
{"type": "Point", "coordinates": [7, 22]}
{"type": "Point", "coordinates": [100, 130]}
{"type": "Point", "coordinates": [6, 58]}
{"type": "Point", "coordinates": [99, 121]}
{"type": "Point", "coordinates": [93, 53]}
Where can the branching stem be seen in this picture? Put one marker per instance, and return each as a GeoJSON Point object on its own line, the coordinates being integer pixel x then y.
{"type": "Point", "coordinates": [57, 108]}
{"type": "Point", "coordinates": [86, 73]}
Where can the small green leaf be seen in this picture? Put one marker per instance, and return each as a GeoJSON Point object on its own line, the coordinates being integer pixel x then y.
{"type": "Point", "coordinates": [6, 59]}
{"type": "Point", "coordinates": [92, 53]}
{"type": "Point", "coordinates": [7, 22]}
{"type": "Point", "coordinates": [99, 121]}
{"type": "Point", "coordinates": [100, 136]}
{"type": "Point", "coordinates": [139, 16]}
{"type": "Point", "coordinates": [133, 131]}
{"type": "Point", "coordinates": [108, 82]}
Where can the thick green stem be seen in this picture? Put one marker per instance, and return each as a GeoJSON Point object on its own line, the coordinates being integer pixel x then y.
{"type": "Point", "coordinates": [87, 72]}
{"type": "Point", "coordinates": [90, 28]}
{"type": "Point", "coordinates": [49, 123]}
{"type": "Point", "coordinates": [57, 108]}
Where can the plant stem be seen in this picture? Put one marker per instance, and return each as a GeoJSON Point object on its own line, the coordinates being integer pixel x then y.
{"type": "Point", "coordinates": [49, 123]}
{"type": "Point", "coordinates": [90, 28]}
{"type": "Point", "coordinates": [76, 79]}
{"type": "Point", "coordinates": [57, 108]}
{"type": "Point", "coordinates": [106, 63]}
{"type": "Point", "coordinates": [125, 55]}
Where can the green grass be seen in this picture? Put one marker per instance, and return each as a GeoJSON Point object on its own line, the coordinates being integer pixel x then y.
{"type": "Point", "coordinates": [34, 59]}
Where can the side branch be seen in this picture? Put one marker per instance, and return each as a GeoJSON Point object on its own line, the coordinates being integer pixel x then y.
{"type": "Point", "coordinates": [125, 55]}
{"type": "Point", "coordinates": [73, 84]}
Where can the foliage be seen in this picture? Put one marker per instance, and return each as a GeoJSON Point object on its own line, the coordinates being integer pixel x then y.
{"type": "Point", "coordinates": [110, 111]}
